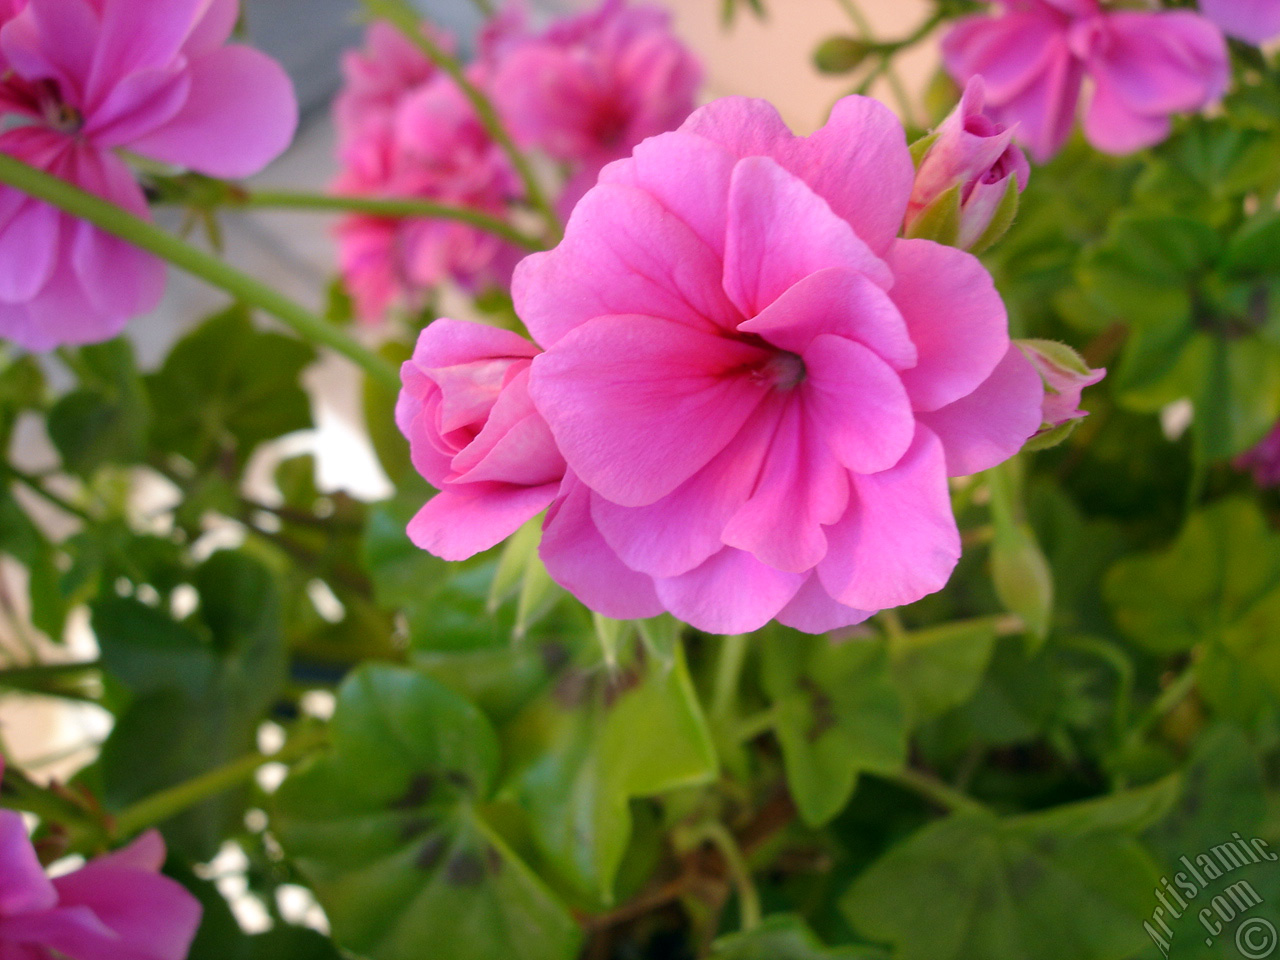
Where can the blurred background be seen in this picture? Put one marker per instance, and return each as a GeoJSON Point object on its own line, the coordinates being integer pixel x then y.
{"type": "Point", "coordinates": [294, 252]}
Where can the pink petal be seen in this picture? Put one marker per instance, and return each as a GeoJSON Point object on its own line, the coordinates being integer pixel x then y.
{"type": "Point", "coordinates": [781, 232]}
{"type": "Point", "coordinates": [65, 931]}
{"type": "Point", "coordinates": [60, 314]}
{"type": "Point", "coordinates": [813, 611]}
{"type": "Point", "coordinates": [465, 519]}
{"type": "Point", "coordinates": [241, 114]}
{"type": "Point", "coordinates": [898, 542]}
{"type": "Point", "coordinates": [29, 244]}
{"type": "Point", "coordinates": [841, 302]}
{"type": "Point", "coordinates": [1010, 52]}
{"type": "Point", "coordinates": [1161, 63]}
{"type": "Point", "coordinates": [801, 487]}
{"type": "Point", "coordinates": [686, 174]}
{"type": "Point", "coordinates": [138, 105]}
{"type": "Point", "coordinates": [515, 445]}
{"type": "Point", "coordinates": [213, 29]}
{"type": "Point", "coordinates": [54, 40]}
{"type": "Point", "coordinates": [147, 853]}
{"type": "Point", "coordinates": [732, 592]}
{"type": "Point", "coordinates": [991, 424]}
{"type": "Point", "coordinates": [623, 253]}
{"type": "Point", "coordinates": [578, 559]}
{"type": "Point", "coordinates": [138, 35]}
{"type": "Point", "coordinates": [956, 319]}
{"type": "Point", "coordinates": [1112, 126]}
{"type": "Point", "coordinates": [23, 885]}
{"type": "Point", "coordinates": [1253, 21]}
{"type": "Point", "coordinates": [858, 162]}
{"type": "Point", "coordinates": [1045, 111]}
{"type": "Point", "coordinates": [857, 405]}
{"type": "Point", "coordinates": [154, 917]}
{"type": "Point", "coordinates": [639, 405]}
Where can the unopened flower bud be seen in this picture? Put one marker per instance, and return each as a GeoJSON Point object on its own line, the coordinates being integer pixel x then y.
{"type": "Point", "coordinates": [1065, 375]}
{"type": "Point", "coordinates": [968, 179]}
{"type": "Point", "coordinates": [841, 54]}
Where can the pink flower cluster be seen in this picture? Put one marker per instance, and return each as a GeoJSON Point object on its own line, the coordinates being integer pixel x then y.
{"type": "Point", "coordinates": [584, 92]}
{"type": "Point", "coordinates": [85, 79]}
{"type": "Point", "coordinates": [747, 393]}
{"type": "Point", "coordinates": [117, 907]}
{"type": "Point", "coordinates": [1143, 67]}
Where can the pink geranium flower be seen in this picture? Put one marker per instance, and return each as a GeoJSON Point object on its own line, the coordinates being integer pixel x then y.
{"type": "Point", "coordinates": [377, 78]}
{"type": "Point", "coordinates": [1253, 21]}
{"type": "Point", "coordinates": [591, 87]}
{"type": "Point", "coordinates": [759, 391]}
{"type": "Point", "coordinates": [90, 77]}
{"type": "Point", "coordinates": [1144, 67]}
{"type": "Point", "coordinates": [117, 907]}
{"type": "Point", "coordinates": [433, 147]}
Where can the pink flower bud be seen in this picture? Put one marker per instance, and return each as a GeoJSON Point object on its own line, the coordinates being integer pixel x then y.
{"type": "Point", "coordinates": [967, 183]}
{"type": "Point", "coordinates": [1263, 460]}
{"type": "Point", "coordinates": [1065, 376]}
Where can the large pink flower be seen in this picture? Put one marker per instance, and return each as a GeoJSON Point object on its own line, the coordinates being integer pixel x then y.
{"type": "Point", "coordinates": [759, 391]}
{"type": "Point", "coordinates": [591, 87]}
{"type": "Point", "coordinates": [433, 147]}
{"type": "Point", "coordinates": [1144, 67]}
{"type": "Point", "coordinates": [116, 907]}
{"type": "Point", "coordinates": [87, 78]}
{"type": "Point", "coordinates": [1253, 21]}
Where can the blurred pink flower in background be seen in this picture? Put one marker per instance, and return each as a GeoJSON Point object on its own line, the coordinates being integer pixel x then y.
{"type": "Point", "coordinates": [117, 907]}
{"type": "Point", "coordinates": [1144, 67]}
{"type": "Point", "coordinates": [377, 77]}
{"type": "Point", "coordinates": [589, 88]}
{"type": "Point", "coordinates": [432, 147]}
{"type": "Point", "coordinates": [758, 389]}
{"type": "Point", "coordinates": [87, 78]}
{"type": "Point", "coordinates": [474, 434]}
{"type": "Point", "coordinates": [1263, 461]}
{"type": "Point", "coordinates": [974, 153]}
{"type": "Point", "coordinates": [1253, 21]}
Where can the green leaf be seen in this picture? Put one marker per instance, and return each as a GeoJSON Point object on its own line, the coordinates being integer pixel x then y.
{"type": "Point", "coordinates": [22, 540]}
{"type": "Point", "coordinates": [1255, 248]}
{"type": "Point", "coordinates": [973, 886]}
{"type": "Point", "coordinates": [1023, 580]}
{"type": "Point", "coordinates": [839, 713]}
{"type": "Point", "coordinates": [199, 691]}
{"type": "Point", "coordinates": [1128, 811]}
{"type": "Point", "coordinates": [1239, 397]}
{"type": "Point", "coordinates": [786, 937]}
{"type": "Point", "coordinates": [388, 826]}
{"type": "Point", "coordinates": [1223, 565]}
{"type": "Point", "coordinates": [227, 387]}
{"type": "Point", "coordinates": [940, 668]}
{"type": "Point", "coordinates": [380, 420]}
{"type": "Point", "coordinates": [107, 420]}
{"type": "Point", "coordinates": [598, 741]}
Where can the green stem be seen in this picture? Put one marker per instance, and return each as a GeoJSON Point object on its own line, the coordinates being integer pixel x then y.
{"type": "Point", "coordinates": [39, 489]}
{"type": "Point", "coordinates": [1170, 697]}
{"type": "Point", "coordinates": [724, 696]}
{"type": "Point", "coordinates": [719, 836]}
{"type": "Point", "coordinates": [159, 807]}
{"type": "Point", "coordinates": [34, 678]}
{"type": "Point", "coordinates": [934, 790]}
{"type": "Point", "coordinates": [757, 724]}
{"type": "Point", "coordinates": [402, 16]}
{"type": "Point", "coordinates": [387, 207]}
{"type": "Point", "coordinates": [114, 220]}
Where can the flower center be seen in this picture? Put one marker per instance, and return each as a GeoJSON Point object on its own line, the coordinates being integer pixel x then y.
{"type": "Point", "coordinates": [784, 371]}
{"type": "Point", "coordinates": [58, 114]}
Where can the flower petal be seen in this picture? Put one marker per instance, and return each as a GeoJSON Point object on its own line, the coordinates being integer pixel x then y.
{"type": "Point", "coordinates": [856, 404]}
{"type": "Point", "coordinates": [23, 885]}
{"type": "Point", "coordinates": [956, 319]}
{"type": "Point", "coordinates": [991, 424]}
{"type": "Point", "coordinates": [781, 231]}
{"type": "Point", "coordinates": [813, 611]}
{"type": "Point", "coordinates": [465, 519]}
{"type": "Point", "coordinates": [578, 559]}
{"type": "Point", "coordinates": [638, 405]}
{"type": "Point", "coordinates": [623, 253]}
{"type": "Point", "coordinates": [732, 592]}
{"type": "Point", "coordinates": [240, 115]}
{"type": "Point", "coordinates": [898, 542]}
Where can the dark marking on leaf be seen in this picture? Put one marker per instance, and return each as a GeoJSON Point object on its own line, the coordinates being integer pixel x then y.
{"type": "Point", "coordinates": [464, 869]}
{"type": "Point", "coordinates": [419, 792]}
{"type": "Point", "coordinates": [431, 852]}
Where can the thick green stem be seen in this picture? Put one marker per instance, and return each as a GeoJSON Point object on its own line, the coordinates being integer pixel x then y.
{"type": "Point", "coordinates": [114, 220]}
{"type": "Point", "coordinates": [407, 20]}
{"type": "Point", "coordinates": [169, 803]}
{"type": "Point", "coordinates": [387, 207]}
{"type": "Point", "coordinates": [52, 679]}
